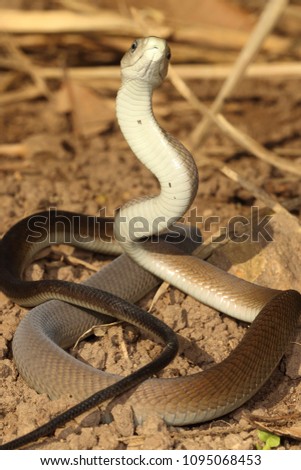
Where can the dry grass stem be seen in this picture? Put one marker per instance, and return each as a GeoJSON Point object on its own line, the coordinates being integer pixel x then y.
{"type": "Point", "coordinates": [259, 193]}
{"type": "Point", "coordinates": [79, 6]}
{"type": "Point", "coordinates": [186, 72]}
{"type": "Point", "coordinates": [20, 61]}
{"type": "Point", "coordinates": [190, 42]}
{"type": "Point", "coordinates": [73, 260]}
{"type": "Point", "coordinates": [240, 138]}
{"type": "Point", "coordinates": [257, 149]}
{"type": "Point", "coordinates": [221, 71]}
{"type": "Point", "coordinates": [14, 150]}
{"type": "Point", "coordinates": [64, 21]}
{"type": "Point", "coordinates": [267, 20]}
{"type": "Point", "coordinates": [29, 93]}
{"type": "Point", "coordinates": [232, 132]}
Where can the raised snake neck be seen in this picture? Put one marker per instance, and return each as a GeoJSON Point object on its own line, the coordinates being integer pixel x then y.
{"type": "Point", "coordinates": [185, 400]}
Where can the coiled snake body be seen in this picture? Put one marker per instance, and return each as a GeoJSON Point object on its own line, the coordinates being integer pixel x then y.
{"type": "Point", "coordinates": [54, 325]}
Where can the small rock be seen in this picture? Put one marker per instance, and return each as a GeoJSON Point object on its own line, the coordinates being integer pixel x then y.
{"type": "Point", "coordinates": [155, 433]}
{"type": "Point", "coordinates": [5, 371]}
{"type": "Point", "coordinates": [3, 348]}
{"type": "Point", "coordinates": [90, 419]}
{"type": "Point", "coordinates": [84, 440]}
{"type": "Point", "coordinates": [65, 433]}
{"type": "Point", "coordinates": [124, 419]}
{"type": "Point", "coordinates": [107, 437]}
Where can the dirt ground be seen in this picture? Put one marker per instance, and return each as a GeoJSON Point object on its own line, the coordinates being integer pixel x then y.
{"type": "Point", "coordinates": [64, 170]}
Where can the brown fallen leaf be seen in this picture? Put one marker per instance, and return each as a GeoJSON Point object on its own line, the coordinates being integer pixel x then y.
{"type": "Point", "coordinates": [294, 432]}
{"type": "Point", "coordinates": [279, 425]}
{"type": "Point", "coordinates": [91, 114]}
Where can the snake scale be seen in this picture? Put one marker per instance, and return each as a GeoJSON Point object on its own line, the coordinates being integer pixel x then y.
{"type": "Point", "coordinates": [53, 325]}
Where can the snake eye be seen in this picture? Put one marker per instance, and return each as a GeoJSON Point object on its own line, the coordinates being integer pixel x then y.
{"type": "Point", "coordinates": [168, 55]}
{"type": "Point", "coordinates": [134, 46]}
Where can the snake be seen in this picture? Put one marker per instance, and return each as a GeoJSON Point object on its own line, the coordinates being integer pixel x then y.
{"type": "Point", "coordinates": [63, 311]}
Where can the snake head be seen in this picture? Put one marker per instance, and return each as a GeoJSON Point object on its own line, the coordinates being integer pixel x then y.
{"type": "Point", "coordinates": [147, 59]}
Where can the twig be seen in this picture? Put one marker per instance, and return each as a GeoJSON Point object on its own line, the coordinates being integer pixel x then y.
{"type": "Point", "coordinates": [22, 63]}
{"type": "Point", "coordinates": [224, 151]}
{"type": "Point", "coordinates": [14, 150]}
{"type": "Point", "coordinates": [86, 17]}
{"type": "Point", "coordinates": [259, 193]}
{"type": "Point", "coordinates": [79, 6]}
{"type": "Point", "coordinates": [255, 148]}
{"type": "Point", "coordinates": [29, 93]}
{"type": "Point", "coordinates": [235, 134]}
{"type": "Point", "coordinates": [267, 20]}
{"type": "Point", "coordinates": [186, 72]}
{"type": "Point", "coordinates": [63, 21]}
{"type": "Point", "coordinates": [77, 261]}
{"type": "Point", "coordinates": [238, 137]}
{"type": "Point", "coordinates": [221, 71]}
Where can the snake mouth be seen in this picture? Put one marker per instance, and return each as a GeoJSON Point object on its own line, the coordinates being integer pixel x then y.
{"type": "Point", "coordinates": [160, 54]}
{"type": "Point", "coordinates": [159, 47]}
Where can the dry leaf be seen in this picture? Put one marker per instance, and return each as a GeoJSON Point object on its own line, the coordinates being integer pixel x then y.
{"type": "Point", "coordinates": [91, 113]}
{"type": "Point", "coordinates": [288, 425]}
